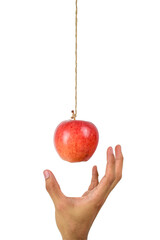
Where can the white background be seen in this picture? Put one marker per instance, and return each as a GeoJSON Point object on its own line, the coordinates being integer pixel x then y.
{"type": "Point", "coordinates": [118, 90]}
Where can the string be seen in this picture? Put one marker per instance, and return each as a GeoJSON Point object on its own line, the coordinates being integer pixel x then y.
{"type": "Point", "coordinates": [74, 113]}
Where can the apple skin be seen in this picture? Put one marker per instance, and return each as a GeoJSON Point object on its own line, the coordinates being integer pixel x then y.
{"type": "Point", "coordinates": [76, 140]}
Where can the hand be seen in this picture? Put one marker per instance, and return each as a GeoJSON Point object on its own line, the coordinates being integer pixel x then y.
{"type": "Point", "coordinates": [75, 215]}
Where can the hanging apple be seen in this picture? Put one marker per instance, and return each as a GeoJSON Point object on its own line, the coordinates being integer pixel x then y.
{"type": "Point", "coordinates": [76, 140]}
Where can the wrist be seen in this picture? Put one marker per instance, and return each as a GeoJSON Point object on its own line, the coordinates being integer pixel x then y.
{"type": "Point", "coordinates": [75, 235]}
{"type": "Point", "coordinates": [72, 237]}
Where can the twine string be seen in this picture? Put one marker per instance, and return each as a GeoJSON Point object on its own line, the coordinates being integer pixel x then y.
{"type": "Point", "coordinates": [74, 113]}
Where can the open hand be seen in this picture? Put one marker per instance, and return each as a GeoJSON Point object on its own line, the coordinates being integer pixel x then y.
{"type": "Point", "coordinates": [75, 215]}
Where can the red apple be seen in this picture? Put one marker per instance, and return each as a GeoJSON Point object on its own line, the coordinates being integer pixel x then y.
{"type": "Point", "coordinates": [76, 140]}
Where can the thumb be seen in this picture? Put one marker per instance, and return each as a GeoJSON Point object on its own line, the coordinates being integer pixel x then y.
{"type": "Point", "coordinates": [52, 186]}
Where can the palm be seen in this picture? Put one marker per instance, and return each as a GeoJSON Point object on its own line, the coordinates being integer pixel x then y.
{"type": "Point", "coordinates": [79, 212]}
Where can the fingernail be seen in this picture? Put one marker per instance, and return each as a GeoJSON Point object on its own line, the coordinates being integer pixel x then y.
{"type": "Point", "coordinates": [119, 148]}
{"type": "Point", "coordinates": [46, 174]}
{"type": "Point", "coordinates": [111, 150]}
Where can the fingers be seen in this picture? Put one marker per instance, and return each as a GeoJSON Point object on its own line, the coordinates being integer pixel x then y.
{"type": "Point", "coordinates": [110, 168]}
{"type": "Point", "coordinates": [52, 186]}
{"type": "Point", "coordinates": [109, 176]}
{"type": "Point", "coordinates": [118, 166]}
{"type": "Point", "coordinates": [94, 180]}
{"type": "Point", "coordinates": [119, 162]}
{"type": "Point", "coordinates": [113, 172]}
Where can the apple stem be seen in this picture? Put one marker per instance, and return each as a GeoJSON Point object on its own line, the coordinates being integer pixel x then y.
{"type": "Point", "coordinates": [73, 115]}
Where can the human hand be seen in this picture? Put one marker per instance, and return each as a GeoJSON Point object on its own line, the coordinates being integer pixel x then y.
{"type": "Point", "coordinates": [75, 215]}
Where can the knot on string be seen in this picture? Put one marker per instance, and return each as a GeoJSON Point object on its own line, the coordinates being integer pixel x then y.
{"type": "Point", "coordinates": [73, 115]}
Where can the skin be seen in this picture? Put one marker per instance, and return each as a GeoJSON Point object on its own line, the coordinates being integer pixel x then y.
{"type": "Point", "coordinates": [75, 215]}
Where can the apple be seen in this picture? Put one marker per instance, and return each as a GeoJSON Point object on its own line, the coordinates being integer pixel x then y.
{"type": "Point", "coordinates": [76, 140]}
